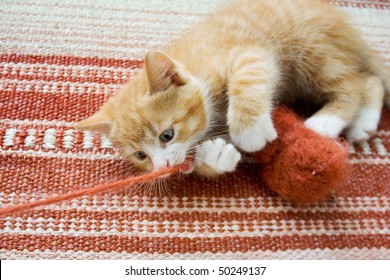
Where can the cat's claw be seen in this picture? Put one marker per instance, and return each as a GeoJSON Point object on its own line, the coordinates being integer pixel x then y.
{"type": "Point", "coordinates": [217, 154]}
{"type": "Point", "coordinates": [256, 137]}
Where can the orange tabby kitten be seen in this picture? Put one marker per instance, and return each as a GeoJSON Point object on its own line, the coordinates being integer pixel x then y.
{"type": "Point", "coordinates": [226, 74]}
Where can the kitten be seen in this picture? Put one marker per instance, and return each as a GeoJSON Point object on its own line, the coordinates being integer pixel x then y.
{"type": "Point", "coordinates": [227, 73]}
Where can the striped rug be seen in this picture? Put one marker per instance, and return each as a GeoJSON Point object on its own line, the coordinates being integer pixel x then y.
{"type": "Point", "coordinates": [60, 60]}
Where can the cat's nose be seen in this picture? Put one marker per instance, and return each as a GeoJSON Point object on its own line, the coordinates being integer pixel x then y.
{"type": "Point", "coordinates": [161, 165]}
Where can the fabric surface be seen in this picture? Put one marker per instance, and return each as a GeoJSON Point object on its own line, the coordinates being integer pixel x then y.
{"type": "Point", "coordinates": [61, 60]}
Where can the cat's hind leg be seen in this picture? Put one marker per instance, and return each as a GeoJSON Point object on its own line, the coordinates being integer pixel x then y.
{"type": "Point", "coordinates": [251, 89]}
{"type": "Point", "coordinates": [343, 102]}
{"type": "Point", "coordinates": [366, 122]}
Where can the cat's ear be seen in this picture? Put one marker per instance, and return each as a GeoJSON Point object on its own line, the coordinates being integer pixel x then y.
{"type": "Point", "coordinates": [101, 121]}
{"type": "Point", "coordinates": [163, 72]}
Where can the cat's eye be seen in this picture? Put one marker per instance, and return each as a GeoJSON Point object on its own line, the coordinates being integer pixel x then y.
{"type": "Point", "coordinates": [167, 135]}
{"type": "Point", "coordinates": [140, 155]}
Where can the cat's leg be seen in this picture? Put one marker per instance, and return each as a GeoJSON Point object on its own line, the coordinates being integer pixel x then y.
{"type": "Point", "coordinates": [365, 124]}
{"type": "Point", "coordinates": [215, 157]}
{"type": "Point", "coordinates": [344, 99]}
{"type": "Point", "coordinates": [251, 89]}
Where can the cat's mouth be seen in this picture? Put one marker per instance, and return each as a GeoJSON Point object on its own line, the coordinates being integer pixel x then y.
{"type": "Point", "coordinates": [188, 167]}
{"type": "Point", "coordinates": [189, 164]}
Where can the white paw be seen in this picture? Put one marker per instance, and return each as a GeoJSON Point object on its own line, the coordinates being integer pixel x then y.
{"type": "Point", "coordinates": [364, 126]}
{"type": "Point", "coordinates": [217, 154]}
{"type": "Point", "coordinates": [326, 125]}
{"type": "Point", "coordinates": [256, 137]}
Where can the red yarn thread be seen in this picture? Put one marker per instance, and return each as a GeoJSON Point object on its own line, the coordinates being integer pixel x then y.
{"type": "Point", "coordinates": [94, 190]}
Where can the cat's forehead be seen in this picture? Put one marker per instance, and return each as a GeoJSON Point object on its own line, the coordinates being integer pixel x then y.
{"type": "Point", "coordinates": [140, 125]}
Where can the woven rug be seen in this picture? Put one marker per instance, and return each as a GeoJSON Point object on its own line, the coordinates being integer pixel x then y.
{"type": "Point", "coordinates": [61, 60]}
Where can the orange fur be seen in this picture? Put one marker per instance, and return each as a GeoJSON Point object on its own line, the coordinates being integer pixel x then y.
{"type": "Point", "coordinates": [228, 71]}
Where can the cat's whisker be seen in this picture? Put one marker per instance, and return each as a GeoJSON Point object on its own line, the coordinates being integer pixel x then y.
{"type": "Point", "coordinates": [165, 188]}
{"type": "Point", "coordinates": [135, 188]}
{"type": "Point", "coordinates": [209, 137]}
{"type": "Point", "coordinates": [148, 188]}
{"type": "Point", "coordinates": [124, 153]}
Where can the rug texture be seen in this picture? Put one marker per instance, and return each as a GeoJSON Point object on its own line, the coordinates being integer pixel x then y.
{"type": "Point", "coordinates": [61, 60]}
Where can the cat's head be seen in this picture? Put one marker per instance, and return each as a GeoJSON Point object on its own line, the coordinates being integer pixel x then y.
{"type": "Point", "coordinates": [158, 117]}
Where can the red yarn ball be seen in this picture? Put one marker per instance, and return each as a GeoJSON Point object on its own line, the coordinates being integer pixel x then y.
{"type": "Point", "coordinates": [301, 165]}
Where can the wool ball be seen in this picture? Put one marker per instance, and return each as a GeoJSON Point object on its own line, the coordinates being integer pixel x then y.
{"type": "Point", "coordinates": [300, 165]}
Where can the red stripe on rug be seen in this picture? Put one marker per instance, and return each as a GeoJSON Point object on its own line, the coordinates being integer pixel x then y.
{"type": "Point", "coordinates": [303, 219]}
{"type": "Point", "coordinates": [69, 60]}
{"type": "Point", "coordinates": [60, 106]}
{"type": "Point", "coordinates": [173, 245]}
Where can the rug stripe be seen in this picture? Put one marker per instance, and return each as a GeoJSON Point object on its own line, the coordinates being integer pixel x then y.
{"type": "Point", "coordinates": [192, 245]}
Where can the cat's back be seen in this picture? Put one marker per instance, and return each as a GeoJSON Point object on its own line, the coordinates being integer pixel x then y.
{"type": "Point", "coordinates": [276, 21]}
{"type": "Point", "coordinates": [298, 32]}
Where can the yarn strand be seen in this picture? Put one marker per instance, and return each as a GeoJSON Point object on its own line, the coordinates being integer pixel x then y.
{"type": "Point", "coordinates": [106, 187]}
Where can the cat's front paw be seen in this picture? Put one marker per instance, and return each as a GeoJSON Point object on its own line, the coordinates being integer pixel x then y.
{"type": "Point", "coordinates": [218, 155]}
{"type": "Point", "coordinates": [254, 138]}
